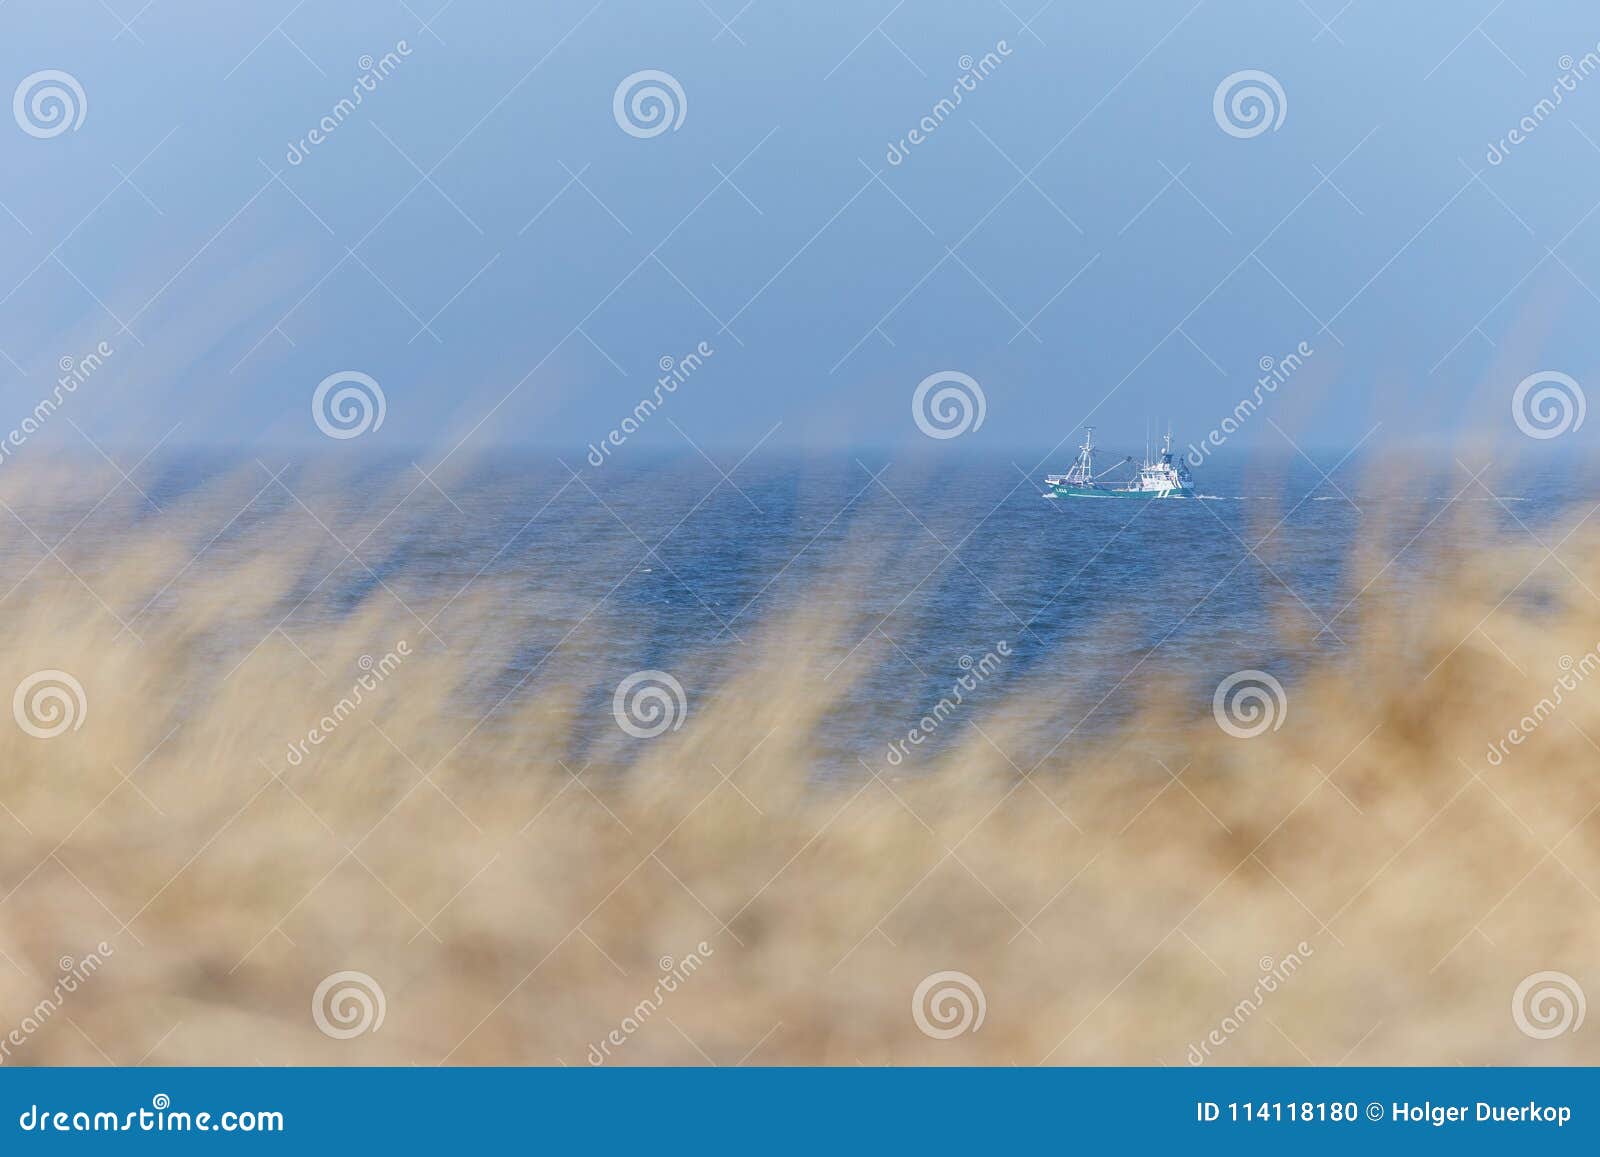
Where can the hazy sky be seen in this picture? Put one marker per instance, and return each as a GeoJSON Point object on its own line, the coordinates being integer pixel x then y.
{"type": "Point", "coordinates": [1081, 236]}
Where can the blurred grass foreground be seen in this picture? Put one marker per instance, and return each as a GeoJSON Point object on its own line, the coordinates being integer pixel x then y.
{"type": "Point", "coordinates": [264, 803]}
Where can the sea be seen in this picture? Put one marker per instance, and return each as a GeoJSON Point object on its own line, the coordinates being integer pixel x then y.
{"type": "Point", "coordinates": [920, 573]}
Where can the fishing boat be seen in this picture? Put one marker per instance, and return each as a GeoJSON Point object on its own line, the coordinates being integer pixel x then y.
{"type": "Point", "coordinates": [1161, 477]}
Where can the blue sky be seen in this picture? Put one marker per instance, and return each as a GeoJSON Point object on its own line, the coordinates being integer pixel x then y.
{"type": "Point", "coordinates": [1080, 236]}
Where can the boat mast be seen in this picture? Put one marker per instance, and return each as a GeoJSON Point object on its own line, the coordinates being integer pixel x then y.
{"type": "Point", "coordinates": [1082, 473]}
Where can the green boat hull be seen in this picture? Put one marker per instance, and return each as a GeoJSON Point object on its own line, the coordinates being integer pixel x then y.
{"type": "Point", "coordinates": [1109, 492]}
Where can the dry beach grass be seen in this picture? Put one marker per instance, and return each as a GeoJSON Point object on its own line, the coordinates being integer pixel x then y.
{"type": "Point", "coordinates": [513, 892]}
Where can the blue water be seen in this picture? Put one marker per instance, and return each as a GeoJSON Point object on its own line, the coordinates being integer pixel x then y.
{"type": "Point", "coordinates": [926, 565]}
